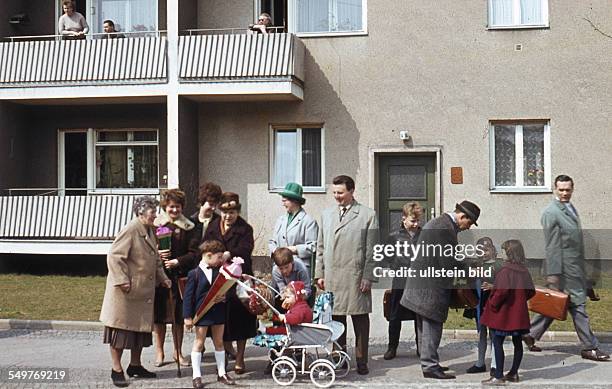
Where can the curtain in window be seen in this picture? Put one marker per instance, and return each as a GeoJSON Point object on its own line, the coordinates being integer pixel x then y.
{"type": "Point", "coordinates": [285, 158]}
{"type": "Point", "coordinates": [329, 15]}
{"type": "Point", "coordinates": [349, 15]}
{"type": "Point", "coordinates": [531, 12]}
{"type": "Point", "coordinates": [145, 166]}
{"type": "Point", "coordinates": [311, 157]}
{"type": "Point", "coordinates": [128, 15]}
{"type": "Point", "coordinates": [505, 156]}
{"type": "Point", "coordinates": [501, 12]}
{"type": "Point", "coordinates": [533, 155]}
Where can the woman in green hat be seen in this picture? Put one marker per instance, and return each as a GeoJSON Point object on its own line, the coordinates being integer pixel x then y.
{"type": "Point", "coordinates": [295, 229]}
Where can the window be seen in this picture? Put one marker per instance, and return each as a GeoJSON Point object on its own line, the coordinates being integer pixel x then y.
{"type": "Point", "coordinates": [297, 156]}
{"type": "Point", "coordinates": [318, 17]}
{"type": "Point", "coordinates": [518, 13]}
{"type": "Point", "coordinates": [520, 156]}
{"type": "Point", "coordinates": [128, 15]}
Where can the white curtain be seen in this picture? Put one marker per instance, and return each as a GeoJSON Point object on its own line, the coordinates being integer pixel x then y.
{"type": "Point", "coordinates": [501, 12]}
{"type": "Point", "coordinates": [349, 15]}
{"type": "Point", "coordinates": [285, 158]}
{"type": "Point", "coordinates": [128, 15]}
{"type": "Point", "coordinates": [329, 15]}
{"type": "Point", "coordinates": [531, 12]}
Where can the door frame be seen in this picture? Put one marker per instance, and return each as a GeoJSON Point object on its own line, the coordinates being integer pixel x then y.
{"type": "Point", "coordinates": [374, 153]}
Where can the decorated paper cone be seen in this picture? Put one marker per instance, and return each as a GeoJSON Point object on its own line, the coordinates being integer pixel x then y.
{"type": "Point", "coordinates": [225, 280]}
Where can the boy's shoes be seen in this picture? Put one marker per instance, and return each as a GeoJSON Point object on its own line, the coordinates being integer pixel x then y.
{"type": "Point", "coordinates": [530, 342]}
{"type": "Point", "coordinates": [225, 379]}
{"type": "Point", "coordinates": [268, 369]}
{"type": "Point", "coordinates": [494, 382]}
{"type": "Point", "coordinates": [197, 383]}
{"type": "Point", "coordinates": [438, 374]}
{"type": "Point", "coordinates": [118, 379]}
{"type": "Point", "coordinates": [511, 377]}
{"type": "Point", "coordinates": [139, 372]}
{"type": "Point", "coordinates": [390, 354]}
{"type": "Point", "coordinates": [362, 368]}
{"type": "Point", "coordinates": [476, 369]}
{"type": "Point", "coordinates": [595, 355]}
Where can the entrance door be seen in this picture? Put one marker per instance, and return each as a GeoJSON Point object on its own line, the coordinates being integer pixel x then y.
{"type": "Point", "coordinates": [404, 178]}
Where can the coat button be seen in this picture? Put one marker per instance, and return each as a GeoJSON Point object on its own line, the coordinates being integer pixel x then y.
{"type": "Point", "coordinates": [150, 277]}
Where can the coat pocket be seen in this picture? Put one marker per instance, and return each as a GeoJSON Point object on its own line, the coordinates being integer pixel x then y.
{"type": "Point", "coordinates": [139, 289]}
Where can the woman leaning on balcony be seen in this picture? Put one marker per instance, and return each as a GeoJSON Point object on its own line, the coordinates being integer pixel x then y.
{"type": "Point", "coordinates": [177, 261]}
{"type": "Point", "coordinates": [134, 270]}
{"type": "Point", "coordinates": [72, 23]}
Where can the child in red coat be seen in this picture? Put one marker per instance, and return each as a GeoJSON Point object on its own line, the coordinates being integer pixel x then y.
{"type": "Point", "coordinates": [298, 311]}
{"type": "Point", "coordinates": [506, 310]}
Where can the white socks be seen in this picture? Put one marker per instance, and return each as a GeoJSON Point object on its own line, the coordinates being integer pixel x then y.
{"type": "Point", "coordinates": [196, 361]}
{"type": "Point", "coordinates": [220, 359]}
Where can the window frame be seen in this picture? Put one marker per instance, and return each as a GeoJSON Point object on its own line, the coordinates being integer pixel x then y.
{"type": "Point", "coordinates": [292, 27]}
{"type": "Point", "coordinates": [516, 17]}
{"type": "Point", "coordinates": [519, 167]}
{"type": "Point", "coordinates": [272, 157]}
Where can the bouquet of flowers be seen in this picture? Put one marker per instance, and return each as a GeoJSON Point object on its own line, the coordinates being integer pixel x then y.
{"type": "Point", "coordinates": [164, 237]}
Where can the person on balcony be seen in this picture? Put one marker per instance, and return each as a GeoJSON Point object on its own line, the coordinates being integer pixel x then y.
{"type": "Point", "coordinates": [134, 270]}
{"type": "Point", "coordinates": [109, 29]}
{"type": "Point", "coordinates": [71, 23]}
{"type": "Point", "coordinates": [263, 25]}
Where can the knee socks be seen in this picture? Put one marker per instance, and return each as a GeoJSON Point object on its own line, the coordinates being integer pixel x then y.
{"type": "Point", "coordinates": [196, 360]}
{"type": "Point", "coordinates": [220, 359]}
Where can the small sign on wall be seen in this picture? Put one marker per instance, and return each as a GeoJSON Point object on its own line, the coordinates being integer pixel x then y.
{"type": "Point", "coordinates": [456, 175]}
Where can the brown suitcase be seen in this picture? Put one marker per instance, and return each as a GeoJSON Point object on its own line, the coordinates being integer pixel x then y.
{"type": "Point", "coordinates": [550, 303]}
{"type": "Point", "coordinates": [463, 299]}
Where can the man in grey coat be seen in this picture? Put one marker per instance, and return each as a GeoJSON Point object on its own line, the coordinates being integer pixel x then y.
{"type": "Point", "coordinates": [429, 297]}
{"type": "Point", "coordinates": [345, 263]}
{"type": "Point", "coordinates": [565, 268]}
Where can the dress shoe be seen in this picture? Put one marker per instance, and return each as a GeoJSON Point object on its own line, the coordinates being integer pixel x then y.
{"type": "Point", "coordinates": [118, 379]}
{"type": "Point", "coordinates": [476, 369]}
{"type": "Point", "coordinates": [530, 342]}
{"type": "Point", "coordinates": [239, 370]}
{"type": "Point", "coordinates": [225, 379]}
{"type": "Point", "coordinates": [390, 354]}
{"type": "Point", "coordinates": [595, 355]}
{"type": "Point", "coordinates": [197, 383]}
{"type": "Point", "coordinates": [511, 377]}
{"type": "Point", "coordinates": [592, 295]}
{"type": "Point", "coordinates": [494, 382]}
{"type": "Point", "coordinates": [438, 374]}
{"type": "Point", "coordinates": [362, 368]}
{"type": "Point", "coordinates": [139, 372]}
{"type": "Point", "coordinates": [444, 368]}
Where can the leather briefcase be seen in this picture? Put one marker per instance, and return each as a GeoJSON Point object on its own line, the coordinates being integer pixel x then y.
{"type": "Point", "coordinates": [463, 299]}
{"type": "Point", "coordinates": [550, 303]}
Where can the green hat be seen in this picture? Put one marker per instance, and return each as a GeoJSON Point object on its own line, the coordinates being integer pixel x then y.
{"type": "Point", "coordinates": [293, 191]}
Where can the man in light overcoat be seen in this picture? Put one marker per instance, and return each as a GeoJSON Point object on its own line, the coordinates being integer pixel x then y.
{"type": "Point", "coordinates": [565, 268]}
{"type": "Point", "coordinates": [344, 264]}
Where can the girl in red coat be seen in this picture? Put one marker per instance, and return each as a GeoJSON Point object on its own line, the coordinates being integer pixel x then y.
{"type": "Point", "coordinates": [298, 311]}
{"type": "Point", "coordinates": [506, 310]}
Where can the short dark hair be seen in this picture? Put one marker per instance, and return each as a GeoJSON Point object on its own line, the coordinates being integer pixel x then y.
{"type": "Point", "coordinates": [282, 256]}
{"type": "Point", "coordinates": [563, 178]}
{"type": "Point", "coordinates": [109, 22]}
{"type": "Point", "coordinates": [68, 2]}
{"type": "Point", "coordinates": [210, 192]}
{"type": "Point", "coordinates": [212, 247]}
{"type": "Point", "coordinates": [176, 195]}
{"type": "Point", "coordinates": [344, 180]}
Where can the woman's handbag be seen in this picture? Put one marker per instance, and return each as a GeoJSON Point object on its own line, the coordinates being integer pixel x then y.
{"type": "Point", "coordinates": [387, 304]}
{"type": "Point", "coordinates": [550, 303]}
{"type": "Point", "coordinates": [463, 299]}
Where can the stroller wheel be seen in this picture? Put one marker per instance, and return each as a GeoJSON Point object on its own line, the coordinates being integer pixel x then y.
{"type": "Point", "coordinates": [342, 363]}
{"type": "Point", "coordinates": [322, 373]}
{"type": "Point", "coordinates": [284, 372]}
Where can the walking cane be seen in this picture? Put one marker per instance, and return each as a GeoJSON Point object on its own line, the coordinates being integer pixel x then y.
{"type": "Point", "coordinates": [174, 333]}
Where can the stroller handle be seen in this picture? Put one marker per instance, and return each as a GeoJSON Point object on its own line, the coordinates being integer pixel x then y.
{"type": "Point", "coordinates": [257, 280]}
{"type": "Point", "coordinates": [247, 287]}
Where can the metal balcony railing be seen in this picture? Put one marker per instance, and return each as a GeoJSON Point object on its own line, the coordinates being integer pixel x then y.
{"type": "Point", "coordinates": [101, 58]}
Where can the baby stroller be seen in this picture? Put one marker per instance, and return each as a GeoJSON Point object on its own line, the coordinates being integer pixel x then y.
{"type": "Point", "coordinates": [306, 348]}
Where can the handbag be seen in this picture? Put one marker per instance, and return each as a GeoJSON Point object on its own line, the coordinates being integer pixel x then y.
{"type": "Point", "coordinates": [401, 313]}
{"type": "Point", "coordinates": [550, 303]}
{"type": "Point", "coordinates": [387, 304]}
{"type": "Point", "coordinates": [463, 299]}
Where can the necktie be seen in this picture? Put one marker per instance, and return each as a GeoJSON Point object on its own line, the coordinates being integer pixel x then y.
{"type": "Point", "coordinates": [344, 209]}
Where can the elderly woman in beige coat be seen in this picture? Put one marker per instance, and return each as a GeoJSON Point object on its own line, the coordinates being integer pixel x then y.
{"type": "Point", "coordinates": [134, 269]}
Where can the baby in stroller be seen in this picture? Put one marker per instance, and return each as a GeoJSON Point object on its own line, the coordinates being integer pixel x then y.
{"type": "Point", "coordinates": [298, 311]}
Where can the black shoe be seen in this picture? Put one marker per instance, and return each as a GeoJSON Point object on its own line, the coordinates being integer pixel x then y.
{"type": "Point", "coordinates": [511, 377]}
{"type": "Point", "coordinates": [390, 354]}
{"type": "Point", "coordinates": [444, 368]}
{"type": "Point", "coordinates": [476, 369]}
{"type": "Point", "coordinates": [139, 372]}
{"type": "Point", "coordinates": [530, 342]}
{"type": "Point", "coordinates": [118, 379]}
{"type": "Point", "coordinates": [595, 355]}
{"type": "Point", "coordinates": [362, 368]}
{"type": "Point", "coordinates": [438, 374]}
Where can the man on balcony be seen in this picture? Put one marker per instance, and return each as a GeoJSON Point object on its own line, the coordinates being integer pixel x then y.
{"type": "Point", "coordinates": [72, 23]}
{"type": "Point", "coordinates": [263, 25]}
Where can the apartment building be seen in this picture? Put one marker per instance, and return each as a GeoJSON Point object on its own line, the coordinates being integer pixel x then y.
{"type": "Point", "coordinates": [435, 101]}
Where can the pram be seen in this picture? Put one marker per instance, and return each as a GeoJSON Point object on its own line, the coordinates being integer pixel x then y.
{"type": "Point", "coordinates": [307, 348]}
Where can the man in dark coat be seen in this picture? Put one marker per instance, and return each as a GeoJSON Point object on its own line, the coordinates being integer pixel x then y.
{"type": "Point", "coordinates": [429, 297]}
{"type": "Point", "coordinates": [565, 268]}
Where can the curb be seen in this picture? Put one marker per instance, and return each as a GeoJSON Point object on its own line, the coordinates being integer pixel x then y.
{"type": "Point", "coordinates": [449, 334]}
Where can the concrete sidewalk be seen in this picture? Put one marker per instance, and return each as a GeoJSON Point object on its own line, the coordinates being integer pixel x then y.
{"type": "Point", "coordinates": [88, 364]}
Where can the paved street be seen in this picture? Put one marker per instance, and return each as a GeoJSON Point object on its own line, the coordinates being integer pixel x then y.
{"type": "Point", "coordinates": [88, 362]}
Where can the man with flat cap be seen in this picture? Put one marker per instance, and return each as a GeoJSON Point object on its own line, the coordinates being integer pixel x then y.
{"type": "Point", "coordinates": [429, 298]}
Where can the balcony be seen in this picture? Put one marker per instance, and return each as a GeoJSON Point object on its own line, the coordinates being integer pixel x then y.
{"type": "Point", "coordinates": [261, 66]}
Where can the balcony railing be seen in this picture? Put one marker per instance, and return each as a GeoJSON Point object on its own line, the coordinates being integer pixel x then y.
{"type": "Point", "coordinates": [51, 60]}
{"type": "Point", "coordinates": [222, 56]}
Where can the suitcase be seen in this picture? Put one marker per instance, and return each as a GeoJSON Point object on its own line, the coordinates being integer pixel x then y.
{"type": "Point", "coordinates": [550, 303]}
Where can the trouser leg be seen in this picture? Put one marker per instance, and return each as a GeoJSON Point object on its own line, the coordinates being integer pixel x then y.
{"type": "Point", "coordinates": [361, 327]}
{"type": "Point", "coordinates": [539, 325]}
{"type": "Point", "coordinates": [395, 328]}
{"type": "Point", "coordinates": [430, 336]}
{"type": "Point", "coordinates": [482, 346]}
{"type": "Point", "coordinates": [583, 327]}
{"type": "Point", "coordinates": [498, 346]}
